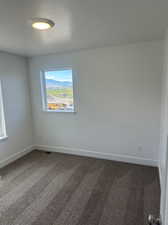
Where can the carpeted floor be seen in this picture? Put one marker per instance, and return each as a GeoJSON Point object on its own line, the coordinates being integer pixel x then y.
{"type": "Point", "coordinates": [58, 189]}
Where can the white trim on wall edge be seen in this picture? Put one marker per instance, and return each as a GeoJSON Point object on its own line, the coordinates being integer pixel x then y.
{"type": "Point", "coordinates": [160, 174]}
{"type": "Point", "coordinates": [94, 154]}
{"type": "Point", "coordinates": [161, 189]}
{"type": "Point", "coordinates": [16, 156]}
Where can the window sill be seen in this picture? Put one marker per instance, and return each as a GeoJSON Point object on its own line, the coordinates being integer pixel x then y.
{"type": "Point", "coordinates": [59, 111]}
{"type": "Point", "coordinates": [3, 138]}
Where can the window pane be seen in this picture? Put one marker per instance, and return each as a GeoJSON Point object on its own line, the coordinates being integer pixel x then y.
{"type": "Point", "coordinates": [1, 124]}
{"type": "Point", "coordinates": [59, 90]}
{"type": "Point", "coordinates": [2, 119]}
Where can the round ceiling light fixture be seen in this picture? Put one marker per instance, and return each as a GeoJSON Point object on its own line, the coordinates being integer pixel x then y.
{"type": "Point", "coordinates": [42, 23]}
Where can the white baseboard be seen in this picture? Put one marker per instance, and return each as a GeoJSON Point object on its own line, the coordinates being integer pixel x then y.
{"type": "Point", "coordinates": [16, 156]}
{"type": "Point", "coordinates": [82, 152]}
{"type": "Point", "coordinates": [109, 156]}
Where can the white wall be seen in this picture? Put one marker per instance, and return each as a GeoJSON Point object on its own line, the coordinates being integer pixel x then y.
{"type": "Point", "coordinates": [163, 156]}
{"type": "Point", "coordinates": [119, 101]}
{"type": "Point", "coordinates": [13, 73]}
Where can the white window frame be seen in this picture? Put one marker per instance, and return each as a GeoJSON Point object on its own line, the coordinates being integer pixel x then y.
{"type": "Point", "coordinates": [3, 134]}
{"type": "Point", "coordinates": [44, 94]}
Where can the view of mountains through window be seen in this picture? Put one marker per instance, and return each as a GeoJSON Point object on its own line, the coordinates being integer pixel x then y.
{"type": "Point", "coordinates": [59, 90]}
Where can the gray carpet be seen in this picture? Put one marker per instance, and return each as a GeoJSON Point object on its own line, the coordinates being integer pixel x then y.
{"type": "Point", "coordinates": [58, 189]}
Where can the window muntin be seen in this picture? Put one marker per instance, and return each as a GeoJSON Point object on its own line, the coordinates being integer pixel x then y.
{"type": "Point", "coordinates": [2, 117]}
{"type": "Point", "coordinates": [57, 88]}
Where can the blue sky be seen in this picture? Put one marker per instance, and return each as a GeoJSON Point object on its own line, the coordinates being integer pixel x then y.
{"type": "Point", "coordinates": [62, 75]}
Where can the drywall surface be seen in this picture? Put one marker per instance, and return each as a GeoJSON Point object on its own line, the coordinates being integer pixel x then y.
{"type": "Point", "coordinates": [163, 153]}
{"type": "Point", "coordinates": [118, 96]}
{"type": "Point", "coordinates": [13, 74]}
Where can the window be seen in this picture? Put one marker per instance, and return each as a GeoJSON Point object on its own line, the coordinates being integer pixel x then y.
{"type": "Point", "coordinates": [57, 90]}
{"type": "Point", "coordinates": [2, 118]}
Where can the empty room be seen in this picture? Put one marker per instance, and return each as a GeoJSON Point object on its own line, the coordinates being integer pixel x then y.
{"type": "Point", "coordinates": [83, 112]}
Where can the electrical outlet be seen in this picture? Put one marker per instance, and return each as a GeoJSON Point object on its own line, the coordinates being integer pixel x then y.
{"type": "Point", "coordinates": [140, 148]}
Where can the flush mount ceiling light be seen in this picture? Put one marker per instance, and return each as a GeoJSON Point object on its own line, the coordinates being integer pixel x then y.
{"type": "Point", "coordinates": [42, 24]}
